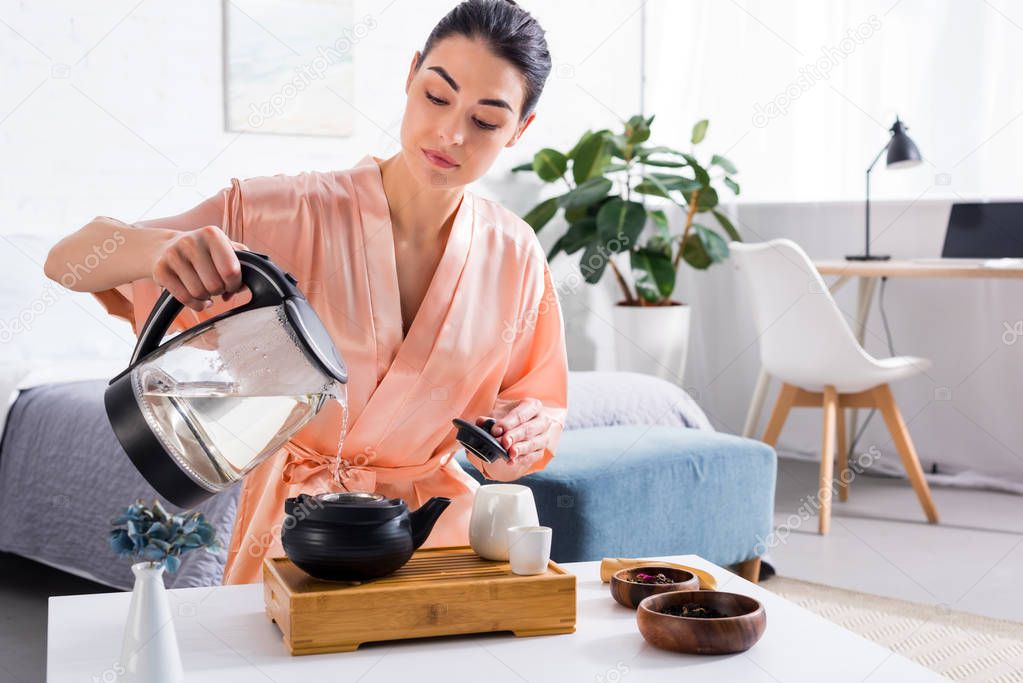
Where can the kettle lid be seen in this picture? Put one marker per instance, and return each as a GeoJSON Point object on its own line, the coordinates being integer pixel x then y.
{"type": "Point", "coordinates": [314, 337]}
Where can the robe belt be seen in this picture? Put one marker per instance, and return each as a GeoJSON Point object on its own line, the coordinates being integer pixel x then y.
{"type": "Point", "coordinates": [304, 464]}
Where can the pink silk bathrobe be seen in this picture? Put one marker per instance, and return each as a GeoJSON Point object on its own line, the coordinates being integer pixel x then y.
{"type": "Point", "coordinates": [489, 330]}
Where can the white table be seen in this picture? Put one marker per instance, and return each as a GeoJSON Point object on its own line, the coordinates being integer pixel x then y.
{"type": "Point", "coordinates": [226, 636]}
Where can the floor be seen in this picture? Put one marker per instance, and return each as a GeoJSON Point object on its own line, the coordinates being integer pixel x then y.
{"type": "Point", "coordinates": [878, 544]}
{"type": "Point", "coordinates": [25, 587]}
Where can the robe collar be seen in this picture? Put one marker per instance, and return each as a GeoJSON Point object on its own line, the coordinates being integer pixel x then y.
{"type": "Point", "coordinates": [400, 360]}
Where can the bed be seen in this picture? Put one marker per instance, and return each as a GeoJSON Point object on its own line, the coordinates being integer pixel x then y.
{"type": "Point", "coordinates": [64, 476]}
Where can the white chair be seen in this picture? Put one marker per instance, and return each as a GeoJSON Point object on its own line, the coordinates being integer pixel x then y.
{"type": "Point", "coordinates": [806, 343]}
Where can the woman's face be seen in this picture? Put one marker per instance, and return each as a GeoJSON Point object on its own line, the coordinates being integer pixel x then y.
{"type": "Point", "coordinates": [464, 104]}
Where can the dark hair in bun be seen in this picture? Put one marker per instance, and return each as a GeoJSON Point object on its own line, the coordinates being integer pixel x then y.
{"type": "Point", "coordinates": [509, 31]}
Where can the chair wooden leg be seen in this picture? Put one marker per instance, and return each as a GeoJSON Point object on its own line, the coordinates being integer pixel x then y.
{"type": "Point", "coordinates": [749, 570]}
{"type": "Point", "coordinates": [827, 458]}
{"type": "Point", "coordinates": [904, 444]}
{"type": "Point", "coordinates": [786, 397]}
{"type": "Point", "coordinates": [843, 456]}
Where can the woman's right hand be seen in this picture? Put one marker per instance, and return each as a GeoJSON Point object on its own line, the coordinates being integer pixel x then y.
{"type": "Point", "coordinates": [196, 265]}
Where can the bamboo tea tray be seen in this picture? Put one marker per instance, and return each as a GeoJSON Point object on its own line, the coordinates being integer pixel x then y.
{"type": "Point", "coordinates": [440, 591]}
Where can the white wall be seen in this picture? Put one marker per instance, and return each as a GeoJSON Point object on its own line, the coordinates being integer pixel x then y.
{"type": "Point", "coordinates": [116, 109]}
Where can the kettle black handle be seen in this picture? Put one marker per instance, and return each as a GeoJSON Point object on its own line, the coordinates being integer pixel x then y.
{"type": "Point", "coordinates": [269, 287]}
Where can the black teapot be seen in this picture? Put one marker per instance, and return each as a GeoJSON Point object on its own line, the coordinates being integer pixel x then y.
{"type": "Point", "coordinates": [353, 536]}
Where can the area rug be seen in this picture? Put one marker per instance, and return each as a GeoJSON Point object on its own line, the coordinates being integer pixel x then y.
{"type": "Point", "coordinates": [958, 645]}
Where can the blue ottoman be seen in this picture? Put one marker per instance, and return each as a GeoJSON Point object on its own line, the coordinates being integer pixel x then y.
{"type": "Point", "coordinates": [640, 491]}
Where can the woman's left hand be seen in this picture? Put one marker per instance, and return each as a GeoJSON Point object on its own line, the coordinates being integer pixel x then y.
{"type": "Point", "coordinates": [522, 428]}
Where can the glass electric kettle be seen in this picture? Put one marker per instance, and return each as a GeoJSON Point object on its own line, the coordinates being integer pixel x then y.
{"type": "Point", "coordinates": [199, 411]}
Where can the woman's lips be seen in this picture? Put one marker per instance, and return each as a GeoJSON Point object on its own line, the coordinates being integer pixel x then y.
{"type": "Point", "coordinates": [437, 160]}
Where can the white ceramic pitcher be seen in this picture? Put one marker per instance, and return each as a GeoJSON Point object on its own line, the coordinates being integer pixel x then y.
{"type": "Point", "coordinates": [495, 508]}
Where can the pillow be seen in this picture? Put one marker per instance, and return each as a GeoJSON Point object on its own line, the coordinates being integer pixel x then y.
{"type": "Point", "coordinates": [600, 399]}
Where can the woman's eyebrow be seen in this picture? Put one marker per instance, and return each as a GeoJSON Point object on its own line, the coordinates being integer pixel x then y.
{"type": "Point", "coordinates": [440, 70]}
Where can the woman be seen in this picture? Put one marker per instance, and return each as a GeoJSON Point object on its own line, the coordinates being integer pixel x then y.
{"type": "Point", "coordinates": [441, 302]}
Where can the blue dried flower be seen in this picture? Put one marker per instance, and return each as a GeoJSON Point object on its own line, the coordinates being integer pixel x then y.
{"type": "Point", "coordinates": [151, 534]}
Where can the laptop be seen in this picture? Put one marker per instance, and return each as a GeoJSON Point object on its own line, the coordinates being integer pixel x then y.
{"type": "Point", "coordinates": [984, 230]}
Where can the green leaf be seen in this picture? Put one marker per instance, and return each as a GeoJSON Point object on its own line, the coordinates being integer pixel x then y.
{"type": "Point", "coordinates": [653, 274]}
{"type": "Point", "coordinates": [550, 164]}
{"type": "Point", "coordinates": [654, 184]}
{"type": "Point", "coordinates": [732, 185]}
{"type": "Point", "coordinates": [698, 171]}
{"type": "Point", "coordinates": [694, 253]}
{"type": "Point", "coordinates": [582, 138]}
{"type": "Point", "coordinates": [579, 235]}
{"type": "Point", "coordinates": [660, 244]}
{"type": "Point", "coordinates": [637, 130]}
{"type": "Point", "coordinates": [621, 147]}
{"type": "Point", "coordinates": [523, 167]}
{"type": "Point", "coordinates": [659, 149]}
{"type": "Point", "coordinates": [713, 244]}
{"type": "Point", "coordinates": [593, 190]}
{"type": "Point", "coordinates": [619, 224]}
{"type": "Point", "coordinates": [675, 182]}
{"type": "Point", "coordinates": [652, 187]}
{"type": "Point", "coordinates": [700, 131]}
{"type": "Point", "coordinates": [707, 199]}
{"type": "Point", "coordinates": [603, 132]}
{"type": "Point", "coordinates": [578, 213]}
{"type": "Point", "coordinates": [727, 225]}
{"type": "Point", "coordinates": [665, 163]}
{"type": "Point", "coordinates": [723, 163]}
{"type": "Point", "coordinates": [590, 158]}
{"type": "Point", "coordinates": [660, 219]}
{"type": "Point", "coordinates": [593, 262]}
{"type": "Point", "coordinates": [540, 214]}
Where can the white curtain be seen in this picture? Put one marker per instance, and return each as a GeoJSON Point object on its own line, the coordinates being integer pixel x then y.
{"type": "Point", "coordinates": [952, 71]}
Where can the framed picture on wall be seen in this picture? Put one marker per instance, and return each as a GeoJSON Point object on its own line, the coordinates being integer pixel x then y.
{"type": "Point", "coordinates": [288, 66]}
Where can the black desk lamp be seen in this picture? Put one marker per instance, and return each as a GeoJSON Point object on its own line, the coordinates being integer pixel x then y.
{"type": "Point", "coordinates": [902, 153]}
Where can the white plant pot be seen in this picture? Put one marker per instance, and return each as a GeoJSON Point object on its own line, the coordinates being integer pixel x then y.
{"type": "Point", "coordinates": [652, 340]}
{"type": "Point", "coordinates": [150, 648]}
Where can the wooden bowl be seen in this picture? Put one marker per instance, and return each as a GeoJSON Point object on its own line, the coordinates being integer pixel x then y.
{"type": "Point", "coordinates": [629, 592]}
{"type": "Point", "coordinates": [738, 631]}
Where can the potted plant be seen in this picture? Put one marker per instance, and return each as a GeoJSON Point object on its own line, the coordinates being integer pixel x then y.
{"type": "Point", "coordinates": [617, 189]}
{"type": "Point", "coordinates": [156, 540]}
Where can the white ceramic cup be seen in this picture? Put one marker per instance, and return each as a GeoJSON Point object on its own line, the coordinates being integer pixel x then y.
{"type": "Point", "coordinates": [495, 508]}
{"type": "Point", "coordinates": [529, 549]}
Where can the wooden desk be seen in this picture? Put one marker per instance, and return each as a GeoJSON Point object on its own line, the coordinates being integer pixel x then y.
{"type": "Point", "coordinates": [937, 267]}
{"type": "Point", "coordinates": [869, 272]}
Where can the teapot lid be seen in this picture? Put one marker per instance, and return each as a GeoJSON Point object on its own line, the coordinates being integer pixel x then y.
{"type": "Point", "coordinates": [479, 440]}
{"type": "Point", "coordinates": [350, 507]}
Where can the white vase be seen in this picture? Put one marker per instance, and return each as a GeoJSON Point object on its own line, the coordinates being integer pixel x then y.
{"type": "Point", "coordinates": [653, 340]}
{"type": "Point", "coordinates": [150, 648]}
